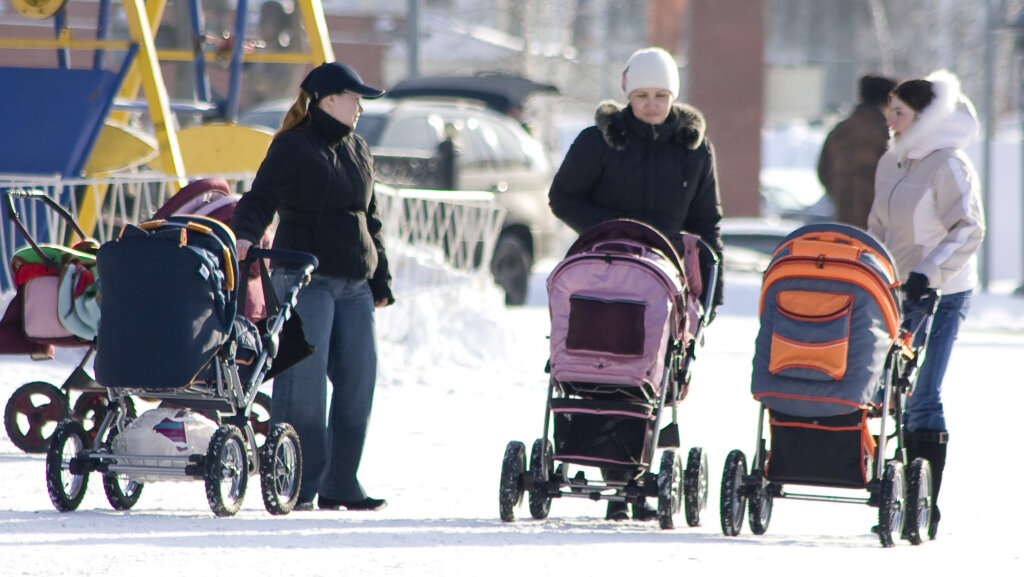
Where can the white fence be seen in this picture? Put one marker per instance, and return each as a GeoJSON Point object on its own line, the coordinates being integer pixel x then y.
{"type": "Point", "coordinates": [431, 236]}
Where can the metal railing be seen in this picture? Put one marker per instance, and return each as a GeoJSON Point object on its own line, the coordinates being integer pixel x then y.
{"type": "Point", "coordinates": [432, 236]}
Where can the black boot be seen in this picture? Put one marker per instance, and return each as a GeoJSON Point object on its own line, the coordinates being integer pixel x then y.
{"type": "Point", "coordinates": [930, 444]}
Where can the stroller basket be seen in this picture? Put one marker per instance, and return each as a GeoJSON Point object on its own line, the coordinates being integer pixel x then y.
{"type": "Point", "coordinates": [603, 433]}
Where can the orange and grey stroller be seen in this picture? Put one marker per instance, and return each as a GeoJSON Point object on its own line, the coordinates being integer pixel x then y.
{"type": "Point", "coordinates": [627, 316]}
{"type": "Point", "coordinates": [834, 362]}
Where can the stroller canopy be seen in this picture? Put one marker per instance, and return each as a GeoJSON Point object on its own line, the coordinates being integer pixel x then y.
{"type": "Point", "coordinates": [829, 314]}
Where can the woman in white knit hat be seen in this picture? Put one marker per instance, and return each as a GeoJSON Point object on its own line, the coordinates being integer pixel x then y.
{"type": "Point", "coordinates": [648, 161]}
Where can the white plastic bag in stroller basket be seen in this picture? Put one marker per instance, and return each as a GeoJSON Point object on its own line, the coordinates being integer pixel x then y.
{"type": "Point", "coordinates": [164, 432]}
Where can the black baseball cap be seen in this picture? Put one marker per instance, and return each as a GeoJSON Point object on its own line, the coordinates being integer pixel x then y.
{"type": "Point", "coordinates": [333, 78]}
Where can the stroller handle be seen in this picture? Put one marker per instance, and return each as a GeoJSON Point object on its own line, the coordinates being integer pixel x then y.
{"type": "Point", "coordinates": [301, 260]}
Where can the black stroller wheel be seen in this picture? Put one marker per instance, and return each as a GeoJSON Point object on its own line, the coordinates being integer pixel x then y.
{"type": "Point", "coordinates": [32, 413]}
{"type": "Point", "coordinates": [540, 501]}
{"type": "Point", "coordinates": [65, 486]}
{"type": "Point", "coordinates": [759, 512]}
{"type": "Point", "coordinates": [733, 500]}
{"type": "Point", "coordinates": [891, 503]}
{"type": "Point", "coordinates": [281, 469]}
{"type": "Point", "coordinates": [227, 473]}
{"type": "Point", "coordinates": [122, 492]}
{"type": "Point", "coordinates": [695, 486]}
{"type": "Point", "coordinates": [919, 500]}
{"type": "Point", "coordinates": [511, 490]}
{"type": "Point", "coordinates": [670, 488]}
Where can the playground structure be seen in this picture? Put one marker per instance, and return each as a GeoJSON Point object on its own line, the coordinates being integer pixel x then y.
{"type": "Point", "coordinates": [74, 121]}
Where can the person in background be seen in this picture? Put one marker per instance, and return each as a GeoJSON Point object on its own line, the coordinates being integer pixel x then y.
{"type": "Point", "coordinates": [846, 167]}
{"type": "Point", "coordinates": [928, 212]}
{"type": "Point", "coordinates": [318, 178]}
{"type": "Point", "coordinates": [648, 161]}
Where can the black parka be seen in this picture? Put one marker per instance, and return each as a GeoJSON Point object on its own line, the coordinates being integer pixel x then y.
{"type": "Point", "coordinates": [661, 175]}
{"type": "Point", "coordinates": [318, 177]}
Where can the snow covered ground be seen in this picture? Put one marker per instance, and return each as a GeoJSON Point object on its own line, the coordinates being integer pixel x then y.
{"type": "Point", "coordinates": [458, 382]}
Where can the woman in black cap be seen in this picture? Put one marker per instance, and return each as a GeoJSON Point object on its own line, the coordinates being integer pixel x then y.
{"type": "Point", "coordinates": [318, 178]}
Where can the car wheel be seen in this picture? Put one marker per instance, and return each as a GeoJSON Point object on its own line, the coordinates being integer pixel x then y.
{"type": "Point", "coordinates": [511, 268]}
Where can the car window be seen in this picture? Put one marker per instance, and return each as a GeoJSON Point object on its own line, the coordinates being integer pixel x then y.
{"type": "Point", "coordinates": [371, 127]}
{"type": "Point", "coordinates": [473, 147]}
{"type": "Point", "coordinates": [417, 133]}
{"type": "Point", "coordinates": [508, 150]}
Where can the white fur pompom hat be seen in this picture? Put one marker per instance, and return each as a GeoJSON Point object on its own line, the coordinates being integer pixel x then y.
{"type": "Point", "coordinates": [651, 68]}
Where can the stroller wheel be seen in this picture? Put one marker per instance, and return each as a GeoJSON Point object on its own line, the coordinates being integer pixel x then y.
{"type": "Point", "coordinates": [891, 503]}
{"type": "Point", "coordinates": [919, 500]}
{"type": "Point", "coordinates": [543, 470]}
{"type": "Point", "coordinates": [511, 491]}
{"type": "Point", "coordinates": [91, 408]}
{"type": "Point", "coordinates": [733, 499]}
{"type": "Point", "coordinates": [670, 489]}
{"type": "Point", "coordinates": [281, 469]}
{"type": "Point", "coordinates": [64, 483]}
{"type": "Point", "coordinates": [32, 414]}
{"type": "Point", "coordinates": [759, 512]}
{"type": "Point", "coordinates": [695, 486]}
{"type": "Point", "coordinates": [122, 492]}
{"type": "Point", "coordinates": [227, 472]}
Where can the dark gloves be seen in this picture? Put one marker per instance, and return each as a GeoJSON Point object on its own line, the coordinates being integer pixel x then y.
{"type": "Point", "coordinates": [915, 287]}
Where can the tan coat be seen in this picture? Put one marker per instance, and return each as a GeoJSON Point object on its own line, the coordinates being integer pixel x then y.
{"type": "Point", "coordinates": [928, 208]}
{"type": "Point", "coordinates": [846, 167]}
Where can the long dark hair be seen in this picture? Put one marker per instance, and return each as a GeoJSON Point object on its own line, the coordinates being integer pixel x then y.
{"type": "Point", "coordinates": [917, 93]}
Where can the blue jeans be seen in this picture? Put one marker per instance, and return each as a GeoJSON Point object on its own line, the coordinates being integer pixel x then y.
{"type": "Point", "coordinates": [337, 317]}
{"type": "Point", "coordinates": [924, 406]}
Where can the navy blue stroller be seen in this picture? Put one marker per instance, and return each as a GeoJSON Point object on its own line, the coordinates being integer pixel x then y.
{"type": "Point", "coordinates": [169, 333]}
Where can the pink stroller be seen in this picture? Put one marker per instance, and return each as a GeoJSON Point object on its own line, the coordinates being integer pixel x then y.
{"type": "Point", "coordinates": [627, 313]}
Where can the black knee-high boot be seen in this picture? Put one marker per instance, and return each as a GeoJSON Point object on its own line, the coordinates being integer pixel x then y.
{"type": "Point", "coordinates": [930, 444]}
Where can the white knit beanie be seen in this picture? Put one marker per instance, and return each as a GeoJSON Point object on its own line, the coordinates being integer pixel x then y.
{"type": "Point", "coordinates": [651, 68]}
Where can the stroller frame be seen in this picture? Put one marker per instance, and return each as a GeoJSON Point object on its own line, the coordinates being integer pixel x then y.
{"type": "Point", "coordinates": [233, 453]}
{"type": "Point", "coordinates": [674, 487]}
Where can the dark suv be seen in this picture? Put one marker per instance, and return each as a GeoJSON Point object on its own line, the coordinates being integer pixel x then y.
{"type": "Point", "coordinates": [493, 153]}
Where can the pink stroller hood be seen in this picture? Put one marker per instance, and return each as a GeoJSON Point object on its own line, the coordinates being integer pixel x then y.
{"type": "Point", "coordinates": [615, 303]}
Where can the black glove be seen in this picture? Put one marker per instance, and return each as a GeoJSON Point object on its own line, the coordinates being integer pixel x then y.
{"type": "Point", "coordinates": [915, 287]}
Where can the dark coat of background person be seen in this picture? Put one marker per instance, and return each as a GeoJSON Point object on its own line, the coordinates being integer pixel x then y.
{"type": "Point", "coordinates": [846, 167]}
{"type": "Point", "coordinates": [313, 220]}
{"type": "Point", "coordinates": [623, 168]}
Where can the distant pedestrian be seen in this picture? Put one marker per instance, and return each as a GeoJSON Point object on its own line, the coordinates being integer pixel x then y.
{"type": "Point", "coordinates": [928, 212]}
{"type": "Point", "coordinates": [846, 167]}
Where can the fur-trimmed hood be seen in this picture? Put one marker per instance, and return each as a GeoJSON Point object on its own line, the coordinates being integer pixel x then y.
{"type": "Point", "coordinates": [688, 123]}
{"type": "Point", "coordinates": [950, 121]}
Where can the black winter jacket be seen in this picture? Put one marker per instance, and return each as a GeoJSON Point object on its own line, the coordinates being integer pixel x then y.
{"type": "Point", "coordinates": [318, 177]}
{"type": "Point", "coordinates": [662, 175]}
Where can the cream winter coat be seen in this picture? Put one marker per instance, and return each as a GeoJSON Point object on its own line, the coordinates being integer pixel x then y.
{"type": "Point", "coordinates": [927, 208]}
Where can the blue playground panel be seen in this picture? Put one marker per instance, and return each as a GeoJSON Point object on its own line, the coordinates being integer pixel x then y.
{"type": "Point", "coordinates": [51, 118]}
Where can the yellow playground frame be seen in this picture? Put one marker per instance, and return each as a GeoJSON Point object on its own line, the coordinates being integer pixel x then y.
{"type": "Point", "coordinates": [208, 148]}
